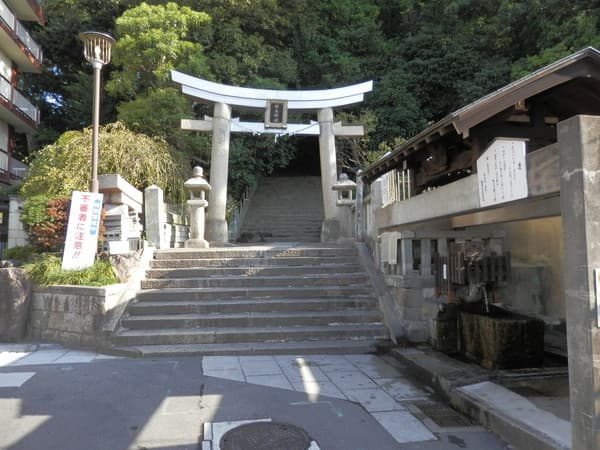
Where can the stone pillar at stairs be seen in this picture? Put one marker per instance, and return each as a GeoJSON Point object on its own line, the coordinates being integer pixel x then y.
{"type": "Point", "coordinates": [330, 228]}
{"type": "Point", "coordinates": [216, 224]}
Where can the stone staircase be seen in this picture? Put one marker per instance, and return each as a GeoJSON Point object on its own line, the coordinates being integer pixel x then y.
{"type": "Point", "coordinates": [285, 209]}
{"type": "Point", "coordinates": [253, 300]}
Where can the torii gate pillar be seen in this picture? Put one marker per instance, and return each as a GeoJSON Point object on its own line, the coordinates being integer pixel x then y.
{"type": "Point", "coordinates": [216, 224]}
{"type": "Point", "coordinates": [330, 227]}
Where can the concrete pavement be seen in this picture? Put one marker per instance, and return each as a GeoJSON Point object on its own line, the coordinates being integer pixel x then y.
{"type": "Point", "coordinates": [51, 397]}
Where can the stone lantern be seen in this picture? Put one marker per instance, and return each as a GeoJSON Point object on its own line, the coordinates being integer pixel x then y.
{"type": "Point", "coordinates": [197, 187]}
{"type": "Point", "coordinates": [345, 188]}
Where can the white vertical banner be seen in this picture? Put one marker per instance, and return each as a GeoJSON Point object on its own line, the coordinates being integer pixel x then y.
{"type": "Point", "coordinates": [83, 227]}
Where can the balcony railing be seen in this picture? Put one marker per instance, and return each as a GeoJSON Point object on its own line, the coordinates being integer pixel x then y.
{"type": "Point", "coordinates": [9, 18]}
{"type": "Point", "coordinates": [26, 38]}
{"type": "Point", "coordinates": [19, 101]}
{"type": "Point", "coordinates": [18, 170]}
{"type": "Point", "coordinates": [397, 186]}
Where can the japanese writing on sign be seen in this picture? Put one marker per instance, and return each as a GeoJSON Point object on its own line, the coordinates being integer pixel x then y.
{"type": "Point", "coordinates": [502, 172]}
{"type": "Point", "coordinates": [82, 231]}
{"type": "Point", "coordinates": [276, 114]}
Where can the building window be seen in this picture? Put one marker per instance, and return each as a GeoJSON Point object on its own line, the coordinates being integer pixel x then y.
{"type": "Point", "coordinates": [416, 254]}
{"type": "Point", "coordinates": [3, 161]}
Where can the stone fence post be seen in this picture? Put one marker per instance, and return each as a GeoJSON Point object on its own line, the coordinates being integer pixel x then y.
{"type": "Point", "coordinates": [155, 216]}
{"type": "Point", "coordinates": [16, 231]}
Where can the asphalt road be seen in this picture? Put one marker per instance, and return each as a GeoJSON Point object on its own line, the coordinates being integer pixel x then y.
{"type": "Point", "coordinates": [74, 400]}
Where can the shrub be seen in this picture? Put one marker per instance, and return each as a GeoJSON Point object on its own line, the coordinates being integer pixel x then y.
{"type": "Point", "coordinates": [46, 219]}
{"type": "Point", "coordinates": [20, 252]}
{"type": "Point", "coordinates": [46, 223]}
{"type": "Point", "coordinates": [46, 270]}
{"type": "Point", "coordinates": [60, 168]}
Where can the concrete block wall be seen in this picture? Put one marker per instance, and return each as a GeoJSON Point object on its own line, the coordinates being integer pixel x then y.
{"type": "Point", "coordinates": [84, 316]}
{"type": "Point", "coordinates": [74, 315]}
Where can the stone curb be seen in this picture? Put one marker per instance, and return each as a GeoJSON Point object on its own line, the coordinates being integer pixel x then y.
{"type": "Point", "coordinates": [512, 416]}
{"type": "Point", "coordinates": [469, 390]}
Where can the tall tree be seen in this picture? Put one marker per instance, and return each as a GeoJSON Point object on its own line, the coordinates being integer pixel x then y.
{"type": "Point", "coordinates": [64, 89]}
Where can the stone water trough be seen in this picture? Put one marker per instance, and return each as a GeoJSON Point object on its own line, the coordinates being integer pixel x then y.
{"type": "Point", "coordinates": [500, 339]}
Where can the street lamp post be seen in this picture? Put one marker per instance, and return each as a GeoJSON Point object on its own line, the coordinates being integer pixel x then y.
{"type": "Point", "coordinates": [96, 49]}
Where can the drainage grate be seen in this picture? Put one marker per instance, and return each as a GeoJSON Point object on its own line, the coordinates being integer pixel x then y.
{"type": "Point", "coordinates": [265, 436]}
{"type": "Point", "coordinates": [442, 415]}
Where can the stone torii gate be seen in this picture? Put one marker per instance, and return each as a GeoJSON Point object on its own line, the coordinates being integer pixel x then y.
{"type": "Point", "coordinates": [275, 103]}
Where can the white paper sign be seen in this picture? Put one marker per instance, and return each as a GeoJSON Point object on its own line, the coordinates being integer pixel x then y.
{"type": "Point", "coordinates": [82, 231]}
{"type": "Point", "coordinates": [502, 172]}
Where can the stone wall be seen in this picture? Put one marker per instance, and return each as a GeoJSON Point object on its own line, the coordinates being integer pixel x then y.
{"type": "Point", "coordinates": [14, 304]}
{"type": "Point", "coordinates": [86, 316]}
{"type": "Point", "coordinates": [75, 315]}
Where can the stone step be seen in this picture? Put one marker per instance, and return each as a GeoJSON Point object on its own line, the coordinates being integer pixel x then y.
{"type": "Point", "coordinates": [284, 218]}
{"type": "Point", "coordinates": [251, 262]}
{"type": "Point", "coordinates": [176, 336]}
{"type": "Point", "coordinates": [285, 204]}
{"type": "Point", "coordinates": [256, 252]}
{"type": "Point", "coordinates": [193, 294]}
{"type": "Point", "coordinates": [262, 236]}
{"type": "Point", "coordinates": [281, 226]}
{"type": "Point", "coordinates": [276, 231]}
{"type": "Point", "coordinates": [244, 272]}
{"type": "Point", "coordinates": [354, 346]}
{"type": "Point", "coordinates": [249, 305]}
{"type": "Point", "coordinates": [267, 239]}
{"type": "Point", "coordinates": [256, 319]}
{"type": "Point", "coordinates": [273, 232]}
{"type": "Point", "coordinates": [283, 230]}
{"type": "Point", "coordinates": [346, 279]}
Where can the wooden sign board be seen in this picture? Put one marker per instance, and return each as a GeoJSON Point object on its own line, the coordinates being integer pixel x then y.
{"type": "Point", "coordinates": [276, 114]}
{"type": "Point", "coordinates": [502, 172]}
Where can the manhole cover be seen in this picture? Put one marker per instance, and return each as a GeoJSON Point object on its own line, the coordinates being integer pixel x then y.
{"type": "Point", "coordinates": [442, 415]}
{"type": "Point", "coordinates": [265, 436]}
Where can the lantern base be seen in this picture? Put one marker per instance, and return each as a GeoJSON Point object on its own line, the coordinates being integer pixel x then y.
{"type": "Point", "coordinates": [196, 243]}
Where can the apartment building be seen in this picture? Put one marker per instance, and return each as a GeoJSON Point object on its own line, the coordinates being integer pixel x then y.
{"type": "Point", "coordinates": [19, 53]}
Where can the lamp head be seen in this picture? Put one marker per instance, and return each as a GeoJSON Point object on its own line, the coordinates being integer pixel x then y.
{"type": "Point", "coordinates": [96, 46]}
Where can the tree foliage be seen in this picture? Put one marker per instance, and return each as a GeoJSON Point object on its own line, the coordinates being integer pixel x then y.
{"type": "Point", "coordinates": [426, 58]}
{"type": "Point", "coordinates": [63, 167]}
{"type": "Point", "coordinates": [151, 41]}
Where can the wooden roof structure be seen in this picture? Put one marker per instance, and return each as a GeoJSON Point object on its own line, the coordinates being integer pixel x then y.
{"type": "Point", "coordinates": [527, 108]}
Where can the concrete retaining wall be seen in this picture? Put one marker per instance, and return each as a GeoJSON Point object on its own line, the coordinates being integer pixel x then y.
{"type": "Point", "coordinates": [76, 315]}
{"type": "Point", "coordinates": [84, 316]}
